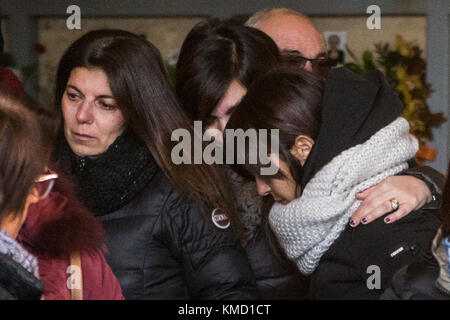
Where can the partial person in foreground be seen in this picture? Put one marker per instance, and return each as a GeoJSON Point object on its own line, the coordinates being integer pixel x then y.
{"type": "Point", "coordinates": [24, 153]}
{"type": "Point", "coordinates": [65, 236]}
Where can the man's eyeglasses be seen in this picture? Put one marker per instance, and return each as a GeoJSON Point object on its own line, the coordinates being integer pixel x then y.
{"type": "Point", "coordinates": [320, 66]}
{"type": "Point", "coordinates": [45, 182]}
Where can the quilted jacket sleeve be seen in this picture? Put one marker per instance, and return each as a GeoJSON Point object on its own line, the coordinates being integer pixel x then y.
{"type": "Point", "coordinates": [214, 263]}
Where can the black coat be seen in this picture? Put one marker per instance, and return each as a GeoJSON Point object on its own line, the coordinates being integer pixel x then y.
{"type": "Point", "coordinates": [275, 279]}
{"type": "Point", "coordinates": [342, 276]}
{"type": "Point", "coordinates": [16, 283]}
{"type": "Point", "coordinates": [416, 282]}
{"type": "Point", "coordinates": [162, 248]}
{"type": "Point", "coordinates": [345, 270]}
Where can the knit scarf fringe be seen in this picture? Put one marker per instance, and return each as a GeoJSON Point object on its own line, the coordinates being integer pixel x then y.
{"type": "Point", "coordinates": [309, 225]}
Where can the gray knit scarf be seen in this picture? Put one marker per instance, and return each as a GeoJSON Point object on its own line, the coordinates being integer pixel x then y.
{"type": "Point", "coordinates": [308, 226]}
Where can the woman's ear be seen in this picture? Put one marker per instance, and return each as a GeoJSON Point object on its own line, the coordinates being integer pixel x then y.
{"type": "Point", "coordinates": [301, 148]}
{"type": "Point", "coordinates": [33, 196]}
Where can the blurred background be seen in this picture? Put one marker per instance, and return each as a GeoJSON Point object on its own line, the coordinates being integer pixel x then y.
{"type": "Point", "coordinates": [411, 47]}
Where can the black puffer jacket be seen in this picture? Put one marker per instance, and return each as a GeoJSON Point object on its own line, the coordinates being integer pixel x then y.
{"type": "Point", "coordinates": [159, 245]}
{"type": "Point", "coordinates": [275, 280]}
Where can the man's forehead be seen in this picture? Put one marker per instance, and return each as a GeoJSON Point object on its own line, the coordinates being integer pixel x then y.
{"type": "Point", "coordinates": [294, 33]}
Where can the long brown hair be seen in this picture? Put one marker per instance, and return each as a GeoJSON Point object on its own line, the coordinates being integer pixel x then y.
{"type": "Point", "coordinates": [140, 85]}
{"type": "Point", "coordinates": [26, 139]}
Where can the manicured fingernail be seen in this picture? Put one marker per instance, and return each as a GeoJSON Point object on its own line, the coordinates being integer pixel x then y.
{"type": "Point", "coordinates": [352, 223]}
{"type": "Point", "coordinates": [364, 220]}
{"type": "Point", "coordinates": [387, 220]}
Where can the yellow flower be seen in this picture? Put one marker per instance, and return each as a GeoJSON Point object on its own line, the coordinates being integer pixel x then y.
{"type": "Point", "coordinates": [400, 73]}
{"type": "Point", "coordinates": [407, 83]}
{"type": "Point", "coordinates": [404, 48]}
{"type": "Point", "coordinates": [401, 87]}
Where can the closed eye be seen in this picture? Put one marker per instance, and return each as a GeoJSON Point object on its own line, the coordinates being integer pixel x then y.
{"type": "Point", "coordinates": [107, 105]}
{"type": "Point", "coordinates": [73, 93]}
{"type": "Point", "coordinates": [230, 110]}
{"type": "Point", "coordinates": [72, 96]}
{"type": "Point", "coordinates": [210, 121]}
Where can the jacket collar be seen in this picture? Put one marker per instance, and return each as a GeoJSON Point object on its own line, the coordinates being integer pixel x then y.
{"type": "Point", "coordinates": [59, 224]}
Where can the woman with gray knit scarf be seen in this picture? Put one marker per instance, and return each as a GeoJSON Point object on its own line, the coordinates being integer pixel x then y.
{"type": "Point", "coordinates": [218, 61]}
{"type": "Point", "coordinates": [334, 142]}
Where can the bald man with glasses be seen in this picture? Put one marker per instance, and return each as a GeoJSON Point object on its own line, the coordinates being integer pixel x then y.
{"type": "Point", "coordinates": [292, 31]}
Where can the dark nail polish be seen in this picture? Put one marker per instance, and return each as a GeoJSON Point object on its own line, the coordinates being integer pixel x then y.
{"type": "Point", "coordinates": [387, 220]}
{"type": "Point", "coordinates": [364, 220]}
{"type": "Point", "coordinates": [352, 222]}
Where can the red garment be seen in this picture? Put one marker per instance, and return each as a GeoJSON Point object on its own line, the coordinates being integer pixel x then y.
{"type": "Point", "coordinates": [57, 226]}
{"type": "Point", "coordinates": [9, 80]}
{"type": "Point", "coordinates": [99, 283]}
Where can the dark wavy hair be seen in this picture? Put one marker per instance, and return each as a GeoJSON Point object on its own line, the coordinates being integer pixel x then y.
{"type": "Point", "coordinates": [214, 54]}
{"type": "Point", "coordinates": [140, 85]}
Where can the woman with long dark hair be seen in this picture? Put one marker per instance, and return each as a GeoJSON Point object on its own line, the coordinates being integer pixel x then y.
{"type": "Point", "coordinates": [160, 219]}
{"type": "Point", "coordinates": [327, 153]}
{"type": "Point", "coordinates": [217, 62]}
